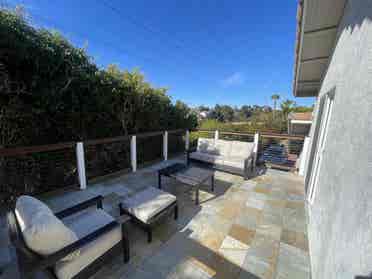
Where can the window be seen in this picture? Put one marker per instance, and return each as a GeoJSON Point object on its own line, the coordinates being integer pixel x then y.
{"type": "Point", "coordinates": [319, 139]}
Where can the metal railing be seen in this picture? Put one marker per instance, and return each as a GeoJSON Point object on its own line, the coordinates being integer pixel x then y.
{"type": "Point", "coordinates": [106, 156]}
{"type": "Point", "coordinates": [280, 150]}
{"type": "Point", "coordinates": [38, 169]}
{"type": "Point", "coordinates": [274, 150]}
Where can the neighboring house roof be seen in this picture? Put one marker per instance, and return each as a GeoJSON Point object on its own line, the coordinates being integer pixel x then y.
{"type": "Point", "coordinates": [300, 117]}
{"type": "Point", "coordinates": [317, 25]}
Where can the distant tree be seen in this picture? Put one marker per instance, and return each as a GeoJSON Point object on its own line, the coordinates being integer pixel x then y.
{"type": "Point", "coordinates": [223, 113]}
{"type": "Point", "coordinates": [246, 111]}
{"type": "Point", "coordinates": [287, 106]}
{"type": "Point", "coordinates": [275, 98]}
{"type": "Point", "coordinates": [202, 108]}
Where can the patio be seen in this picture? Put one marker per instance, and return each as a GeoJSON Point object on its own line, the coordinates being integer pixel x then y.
{"type": "Point", "coordinates": [244, 229]}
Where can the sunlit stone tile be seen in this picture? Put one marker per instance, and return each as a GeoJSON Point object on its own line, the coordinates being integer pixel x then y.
{"type": "Point", "coordinates": [232, 243]}
{"type": "Point", "coordinates": [255, 203]}
{"type": "Point", "coordinates": [242, 234]}
{"type": "Point", "coordinates": [236, 256]}
{"type": "Point", "coordinates": [254, 267]}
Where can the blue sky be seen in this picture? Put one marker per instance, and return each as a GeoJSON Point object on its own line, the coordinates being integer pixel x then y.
{"type": "Point", "coordinates": [206, 52]}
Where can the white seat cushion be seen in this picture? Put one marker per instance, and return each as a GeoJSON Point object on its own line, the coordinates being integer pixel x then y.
{"type": "Point", "coordinates": [235, 162]}
{"type": "Point", "coordinates": [215, 159]}
{"type": "Point", "coordinates": [147, 203]}
{"type": "Point", "coordinates": [84, 224]}
{"type": "Point", "coordinates": [42, 231]}
{"type": "Point", "coordinates": [241, 149]}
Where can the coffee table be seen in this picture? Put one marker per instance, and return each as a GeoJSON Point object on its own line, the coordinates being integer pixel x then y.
{"type": "Point", "coordinates": [188, 175]}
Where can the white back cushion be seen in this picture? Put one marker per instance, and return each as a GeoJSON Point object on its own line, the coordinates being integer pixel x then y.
{"type": "Point", "coordinates": [223, 147]}
{"type": "Point", "coordinates": [206, 145]}
{"type": "Point", "coordinates": [42, 231]}
{"type": "Point", "coordinates": [241, 149]}
{"type": "Point", "coordinates": [26, 208]}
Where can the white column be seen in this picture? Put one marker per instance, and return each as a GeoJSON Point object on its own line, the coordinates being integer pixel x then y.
{"type": "Point", "coordinates": [165, 145]}
{"type": "Point", "coordinates": [304, 156]}
{"type": "Point", "coordinates": [255, 148]}
{"type": "Point", "coordinates": [216, 135]}
{"type": "Point", "coordinates": [133, 153]}
{"type": "Point", "coordinates": [187, 140]}
{"type": "Point", "coordinates": [81, 165]}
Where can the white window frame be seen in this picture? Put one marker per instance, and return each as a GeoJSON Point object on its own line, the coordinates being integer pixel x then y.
{"type": "Point", "coordinates": [326, 113]}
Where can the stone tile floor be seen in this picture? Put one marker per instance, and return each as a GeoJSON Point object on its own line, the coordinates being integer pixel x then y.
{"type": "Point", "coordinates": [245, 229]}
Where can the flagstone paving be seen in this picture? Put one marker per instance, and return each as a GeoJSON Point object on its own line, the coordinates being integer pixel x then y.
{"type": "Point", "coordinates": [245, 229]}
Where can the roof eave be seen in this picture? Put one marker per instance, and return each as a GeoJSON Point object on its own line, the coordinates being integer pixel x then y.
{"type": "Point", "coordinates": [317, 26]}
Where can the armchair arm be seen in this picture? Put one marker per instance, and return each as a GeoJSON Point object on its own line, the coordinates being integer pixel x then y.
{"type": "Point", "coordinates": [51, 260]}
{"type": "Point", "coordinates": [248, 162]}
{"type": "Point", "coordinates": [248, 165]}
{"type": "Point", "coordinates": [188, 152]}
{"type": "Point", "coordinates": [191, 150]}
{"type": "Point", "coordinates": [80, 206]}
{"type": "Point", "coordinates": [250, 157]}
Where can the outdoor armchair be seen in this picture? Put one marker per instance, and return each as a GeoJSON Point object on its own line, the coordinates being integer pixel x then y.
{"type": "Point", "coordinates": [40, 237]}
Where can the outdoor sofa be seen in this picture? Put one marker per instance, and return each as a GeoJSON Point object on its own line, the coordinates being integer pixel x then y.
{"type": "Point", "coordinates": [231, 156]}
{"type": "Point", "coordinates": [75, 248]}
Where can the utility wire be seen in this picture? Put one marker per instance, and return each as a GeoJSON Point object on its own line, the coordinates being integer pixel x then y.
{"type": "Point", "coordinates": [115, 47]}
{"type": "Point", "coordinates": [149, 29]}
{"type": "Point", "coordinates": [177, 43]}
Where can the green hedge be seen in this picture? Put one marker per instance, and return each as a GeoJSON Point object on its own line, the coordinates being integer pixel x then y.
{"type": "Point", "coordinates": [51, 91]}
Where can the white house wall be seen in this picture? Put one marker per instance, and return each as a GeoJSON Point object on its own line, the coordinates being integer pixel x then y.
{"type": "Point", "coordinates": [340, 218]}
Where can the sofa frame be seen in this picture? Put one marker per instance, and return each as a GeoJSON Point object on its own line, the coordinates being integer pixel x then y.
{"type": "Point", "coordinates": [30, 263]}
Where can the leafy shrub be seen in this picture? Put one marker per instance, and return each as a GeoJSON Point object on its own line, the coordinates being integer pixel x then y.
{"type": "Point", "coordinates": [51, 91]}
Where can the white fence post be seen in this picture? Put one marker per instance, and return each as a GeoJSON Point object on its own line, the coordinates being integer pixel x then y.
{"type": "Point", "coordinates": [133, 153]}
{"type": "Point", "coordinates": [255, 148]}
{"type": "Point", "coordinates": [187, 140]}
{"type": "Point", "coordinates": [165, 145]}
{"type": "Point", "coordinates": [81, 165]}
{"type": "Point", "coordinates": [304, 156]}
{"type": "Point", "coordinates": [216, 135]}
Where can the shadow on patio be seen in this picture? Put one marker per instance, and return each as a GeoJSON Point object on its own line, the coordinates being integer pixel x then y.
{"type": "Point", "coordinates": [244, 229]}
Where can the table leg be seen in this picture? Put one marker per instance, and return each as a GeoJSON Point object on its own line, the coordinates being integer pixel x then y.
{"type": "Point", "coordinates": [159, 180]}
{"type": "Point", "coordinates": [212, 182]}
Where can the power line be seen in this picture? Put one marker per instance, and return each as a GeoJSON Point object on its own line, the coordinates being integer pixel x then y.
{"type": "Point", "coordinates": [115, 47]}
{"type": "Point", "coordinates": [179, 44]}
{"type": "Point", "coordinates": [147, 28]}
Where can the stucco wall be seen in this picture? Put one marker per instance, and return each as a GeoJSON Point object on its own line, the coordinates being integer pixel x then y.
{"type": "Point", "coordinates": [340, 219]}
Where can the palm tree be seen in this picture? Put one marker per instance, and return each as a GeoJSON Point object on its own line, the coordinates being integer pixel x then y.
{"type": "Point", "coordinates": [275, 98]}
{"type": "Point", "coordinates": [287, 107]}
